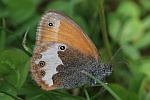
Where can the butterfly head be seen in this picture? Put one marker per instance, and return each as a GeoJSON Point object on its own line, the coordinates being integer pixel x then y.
{"type": "Point", "coordinates": [102, 71]}
{"type": "Point", "coordinates": [107, 70]}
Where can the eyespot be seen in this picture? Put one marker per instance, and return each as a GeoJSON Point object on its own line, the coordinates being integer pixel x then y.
{"type": "Point", "coordinates": [42, 73]}
{"type": "Point", "coordinates": [37, 56]}
{"type": "Point", "coordinates": [50, 24]}
{"type": "Point", "coordinates": [41, 63]}
{"type": "Point", "coordinates": [62, 47]}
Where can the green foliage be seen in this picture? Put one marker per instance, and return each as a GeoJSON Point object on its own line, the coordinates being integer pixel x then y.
{"type": "Point", "coordinates": [29, 92]}
{"type": "Point", "coordinates": [122, 93]}
{"type": "Point", "coordinates": [128, 23]}
{"type": "Point", "coordinates": [3, 37]}
{"type": "Point", "coordinates": [14, 67]}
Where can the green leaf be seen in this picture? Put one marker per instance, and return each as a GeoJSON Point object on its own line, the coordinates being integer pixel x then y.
{"type": "Point", "coordinates": [65, 5]}
{"type": "Point", "coordinates": [136, 82]}
{"type": "Point", "coordinates": [5, 97]}
{"type": "Point", "coordinates": [14, 67]}
{"type": "Point", "coordinates": [8, 91]}
{"type": "Point", "coordinates": [19, 10]}
{"type": "Point", "coordinates": [3, 10]}
{"type": "Point", "coordinates": [143, 42]}
{"type": "Point", "coordinates": [145, 4]}
{"type": "Point", "coordinates": [128, 9]}
{"type": "Point", "coordinates": [122, 93]}
{"type": "Point", "coordinates": [145, 67]}
{"type": "Point", "coordinates": [131, 31]}
{"type": "Point", "coordinates": [146, 22]}
{"type": "Point", "coordinates": [138, 79]}
{"type": "Point", "coordinates": [114, 26]}
{"type": "Point", "coordinates": [29, 91]}
{"type": "Point", "coordinates": [31, 24]}
{"type": "Point", "coordinates": [131, 51]}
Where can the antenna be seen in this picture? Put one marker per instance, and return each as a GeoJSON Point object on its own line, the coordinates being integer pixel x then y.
{"type": "Point", "coordinates": [115, 54]}
{"type": "Point", "coordinates": [123, 62]}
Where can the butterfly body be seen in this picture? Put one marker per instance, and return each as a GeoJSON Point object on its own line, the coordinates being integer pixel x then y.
{"type": "Point", "coordinates": [62, 52]}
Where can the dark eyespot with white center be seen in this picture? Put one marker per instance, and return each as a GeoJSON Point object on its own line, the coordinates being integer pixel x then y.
{"type": "Point", "coordinates": [62, 47]}
{"type": "Point", "coordinates": [50, 24]}
{"type": "Point", "coordinates": [41, 63]}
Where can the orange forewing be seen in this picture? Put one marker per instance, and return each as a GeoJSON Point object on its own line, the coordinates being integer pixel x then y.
{"type": "Point", "coordinates": [69, 33]}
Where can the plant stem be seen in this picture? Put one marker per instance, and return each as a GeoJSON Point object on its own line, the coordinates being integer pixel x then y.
{"type": "Point", "coordinates": [105, 86]}
{"type": "Point", "coordinates": [103, 28]}
{"type": "Point", "coordinates": [86, 93]}
{"type": "Point", "coordinates": [3, 36]}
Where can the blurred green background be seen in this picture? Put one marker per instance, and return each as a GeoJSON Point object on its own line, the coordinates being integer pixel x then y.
{"type": "Point", "coordinates": [128, 25]}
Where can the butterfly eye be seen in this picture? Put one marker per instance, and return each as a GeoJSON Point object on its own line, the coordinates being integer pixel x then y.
{"type": "Point", "coordinates": [62, 47]}
{"type": "Point", "coordinates": [50, 24]}
{"type": "Point", "coordinates": [41, 63]}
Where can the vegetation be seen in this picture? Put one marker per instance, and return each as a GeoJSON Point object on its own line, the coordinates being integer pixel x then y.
{"type": "Point", "coordinates": [128, 26]}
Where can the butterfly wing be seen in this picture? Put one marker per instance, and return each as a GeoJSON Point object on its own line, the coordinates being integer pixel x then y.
{"type": "Point", "coordinates": [62, 51]}
{"type": "Point", "coordinates": [66, 31]}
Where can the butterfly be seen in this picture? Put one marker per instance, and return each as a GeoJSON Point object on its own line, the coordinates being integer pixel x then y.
{"type": "Point", "coordinates": [62, 52]}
